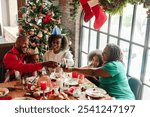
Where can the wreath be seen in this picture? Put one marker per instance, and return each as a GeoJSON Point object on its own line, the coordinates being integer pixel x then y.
{"type": "Point", "coordinates": [112, 7]}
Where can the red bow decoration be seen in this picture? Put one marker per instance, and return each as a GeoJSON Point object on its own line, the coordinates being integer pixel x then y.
{"type": "Point", "coordinates": [47, 19]}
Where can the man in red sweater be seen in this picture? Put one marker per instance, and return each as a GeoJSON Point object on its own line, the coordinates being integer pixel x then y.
{"type": "Point", "coordinates": [14, 59]}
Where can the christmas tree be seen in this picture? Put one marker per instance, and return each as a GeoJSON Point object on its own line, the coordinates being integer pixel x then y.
{"type": "Point", "coordinates": [39, 19]}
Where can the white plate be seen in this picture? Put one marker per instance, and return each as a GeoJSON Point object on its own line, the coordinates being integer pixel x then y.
{"type": "Point", "coordinates": [72, 82]}
{"type": "Point", "coordinates": [30, 79]}
{"type": "Point", "coordinates": [46, 91]}
{"type": "Point", "coordinates": [23, 98]}
{"type": "Point", "coordinates": [87, 85]}
{"type": "Point", "coordinates": [3, 92]}
{"type": "Point", "coordinates": [96, 92]}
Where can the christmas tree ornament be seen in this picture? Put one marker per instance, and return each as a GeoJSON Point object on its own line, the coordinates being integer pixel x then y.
{"type": "Point", "coordinates": [33, 7]}
{"type": "Point", "coordinates": [48, 17]}
{"type": "Point", "coordinates": [42, 6]}
{"type": "Point", "coordinates": [39, 35]}
{"type": "Point", "coordinates": [37, 1]}
{"type": "Point", "coordinates": [100, 16]}
{"type": "Point", "coordinates": [24, 9]}
{"type": "Point", "coordinates": [35, 26]}
{"type": "Point", "coordinates": [59, 21]}
{"type": "Point", "coordinates": [31, 32]}
{"type": "Point", "coordinates": [87, 10]}
{"type": "Point", "coordinates": [36, 18]}
{"type": "Point", "coordinates": [24, 15]}
{"type": "Point", "coordinates": [20, 29]}
{"type": "Point", "coordinates": [39, 21]}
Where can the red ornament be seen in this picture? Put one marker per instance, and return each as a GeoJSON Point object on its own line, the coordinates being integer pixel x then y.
{"type": "Point", "coordinates": [47, 19]}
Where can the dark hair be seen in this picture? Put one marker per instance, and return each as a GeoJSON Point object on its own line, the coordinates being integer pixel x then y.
{"type": "Point", "coordinates": [64, 44]}
{"type": "Point", "coordinates": [115, 52]}
{"type": "Point", "coordinates": [19, 38]}
{"type": "Point", "coordinates": [97, 53]}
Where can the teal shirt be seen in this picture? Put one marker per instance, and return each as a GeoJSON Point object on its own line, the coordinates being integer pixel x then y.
{"type": "Point", "coordinates": [117, 85]}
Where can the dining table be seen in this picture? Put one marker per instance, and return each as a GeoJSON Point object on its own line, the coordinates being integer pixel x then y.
{"type": "Point", "coordinates": [18, 90]}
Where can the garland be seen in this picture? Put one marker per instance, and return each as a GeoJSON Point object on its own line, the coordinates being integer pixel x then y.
{"type": "Point", "coordinates": [112, 7]}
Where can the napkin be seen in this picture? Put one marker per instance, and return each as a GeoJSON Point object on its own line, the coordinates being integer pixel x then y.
{"type": "Point", "coordinates": [6, 98]}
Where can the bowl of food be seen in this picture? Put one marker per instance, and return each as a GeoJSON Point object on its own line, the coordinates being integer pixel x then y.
{"type": "Point", "coordinates": [3, 92]}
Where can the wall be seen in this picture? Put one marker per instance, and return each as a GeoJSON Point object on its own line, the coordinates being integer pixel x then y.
{"type": "Point", "coordinates": [13, 12]}
{"type": "Point", "coordinates": [72, 25]}
{"type": "Point", "coordinates": [9, 12]}
{"type": "Point", "coordinates": [5, 13]}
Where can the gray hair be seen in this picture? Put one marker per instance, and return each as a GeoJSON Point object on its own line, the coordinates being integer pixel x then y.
{"type": "Point", "coordinates": [114, 52]}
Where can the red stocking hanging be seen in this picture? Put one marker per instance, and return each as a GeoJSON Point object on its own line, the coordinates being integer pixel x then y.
{"type": "Point", "coordinates": [100, 16]}
{"type": "Point", "coordinates": [87, 10]}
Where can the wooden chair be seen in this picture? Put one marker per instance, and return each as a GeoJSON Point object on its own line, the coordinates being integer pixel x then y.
{"type": "Point", "coordinates": [4, 48]}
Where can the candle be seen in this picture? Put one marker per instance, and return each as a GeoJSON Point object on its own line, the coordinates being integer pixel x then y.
{"type": "Point", "coordinates": [74, 75]}
{"type": "Point", "coordinates": [81, 78]}
{"type": "Point", "coordinates": [29, 86]}
{"type": "Point", "coordinates": [43, 85]}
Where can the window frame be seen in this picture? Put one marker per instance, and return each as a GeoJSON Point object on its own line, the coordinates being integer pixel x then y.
{"type": "Point", "coordinates": [145, 47]}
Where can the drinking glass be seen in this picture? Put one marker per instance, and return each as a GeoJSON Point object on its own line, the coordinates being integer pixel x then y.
{"type": "Point", "coordinates": [43, 85]}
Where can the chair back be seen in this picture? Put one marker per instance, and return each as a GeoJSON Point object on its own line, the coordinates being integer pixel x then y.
{"type": "Point", "coordinates": [136, 87]}
{"type": "Point", "coordinates": [4, 48]}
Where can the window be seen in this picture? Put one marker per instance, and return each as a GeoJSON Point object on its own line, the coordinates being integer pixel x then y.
{"type": "Point", "coordinates": [131, 32]}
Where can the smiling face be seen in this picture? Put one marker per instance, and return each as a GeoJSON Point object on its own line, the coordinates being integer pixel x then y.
{"type": "Point", "coordinates": [95, 61]}
{"type": "Point", "coordinates": [22, 44]}
{"type": "Point", "coordinates": [56, 45]}
{"type": "Point", "coordinates": [35, 58]}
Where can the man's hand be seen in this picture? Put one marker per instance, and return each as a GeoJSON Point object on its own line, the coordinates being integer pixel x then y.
{"type": "Point", "coordinates": [51, 64]}
{"type": "Point", "coordinates": [67, 69]}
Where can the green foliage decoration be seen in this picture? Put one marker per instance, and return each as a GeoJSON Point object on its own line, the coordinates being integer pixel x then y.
{"type": "Point", "coordinates": [112, 7]}
{"type": "Point", "coordinates": [39, 17]}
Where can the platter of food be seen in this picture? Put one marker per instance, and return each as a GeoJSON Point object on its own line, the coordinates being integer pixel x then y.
{"type": "Point", "coordinates": [96, 92]}
{"type": "Point", "coordinates": [72, 82]}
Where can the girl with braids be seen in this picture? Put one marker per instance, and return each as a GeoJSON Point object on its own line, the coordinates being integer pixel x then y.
{"type": "Point", "coordinates": [112, 75]}
{"type": "Point", "coordinates": [58, 51]}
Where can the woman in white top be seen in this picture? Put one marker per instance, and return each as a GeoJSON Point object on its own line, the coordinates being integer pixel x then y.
{"type": "Point", "coordinates": [58, 51]}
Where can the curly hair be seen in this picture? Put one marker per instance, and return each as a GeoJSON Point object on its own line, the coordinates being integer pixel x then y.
{"type": "Point", "coordinates": [114, 52]}
{"type": "Point", "coordinates": [64, 44]}
{"type": "Point", "coordinates": [97, 53]}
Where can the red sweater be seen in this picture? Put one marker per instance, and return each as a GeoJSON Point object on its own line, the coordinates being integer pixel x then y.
{"type": "Point", "coordinates": [15, 61]}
